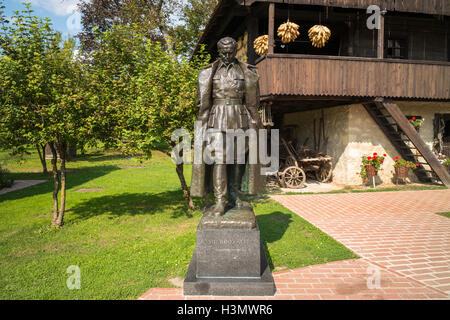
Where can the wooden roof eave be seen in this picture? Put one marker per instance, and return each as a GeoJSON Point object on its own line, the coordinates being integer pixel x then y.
{"type": "Point", "coordinates": [220, 18]}
{"type": "Point", "coordinates": [436, 7]}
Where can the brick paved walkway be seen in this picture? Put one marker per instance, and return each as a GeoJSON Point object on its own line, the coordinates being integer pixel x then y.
{"type": "Point", "coordinates": [398, 231]}
{"type": "Point", "coordinates": [396, 234]}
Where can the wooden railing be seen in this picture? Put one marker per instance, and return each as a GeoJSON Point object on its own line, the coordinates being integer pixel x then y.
{"type": "Point", "coordinates": [307, 75]}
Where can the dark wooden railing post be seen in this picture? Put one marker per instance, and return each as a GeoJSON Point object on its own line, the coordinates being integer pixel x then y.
{"type": "Point", "coordinates": [380, 46]}
{"type": "Point", "coordinates": [271, 27]}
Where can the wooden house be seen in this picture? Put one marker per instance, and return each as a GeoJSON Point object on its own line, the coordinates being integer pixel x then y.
{"type": "Point", "coordinates": [355, 95]}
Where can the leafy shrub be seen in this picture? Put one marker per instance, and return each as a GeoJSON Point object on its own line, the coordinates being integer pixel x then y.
{"type": "Point", "coordinates": [4, 181]}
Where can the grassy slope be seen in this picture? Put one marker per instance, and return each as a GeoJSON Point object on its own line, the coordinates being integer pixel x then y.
{"type": "Point", "coordinates": [130, 236]}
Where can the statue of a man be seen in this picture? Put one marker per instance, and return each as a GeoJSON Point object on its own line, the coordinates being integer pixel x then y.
{"type": "Point", "coordinates": [228, 99]}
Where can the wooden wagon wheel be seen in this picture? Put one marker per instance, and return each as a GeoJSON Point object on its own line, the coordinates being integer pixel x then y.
{"type": "Point", "coordinates": [294, 177]}
{"type": "Point", "coordinates": [290, 162]}
{"type": "Point", "coordinates": [325, 172]}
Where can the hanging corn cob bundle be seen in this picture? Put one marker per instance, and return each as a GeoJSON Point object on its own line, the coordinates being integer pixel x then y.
{"type": "Point", "coordinates": [319, 35]}
{"type": "Point", "coordinates": [261, 45]}
{"type": "Point", "coordinates": [288, 32]}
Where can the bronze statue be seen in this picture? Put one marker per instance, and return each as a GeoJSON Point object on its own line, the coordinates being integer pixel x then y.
{"type": "Point", "coordinates": [228, 99]}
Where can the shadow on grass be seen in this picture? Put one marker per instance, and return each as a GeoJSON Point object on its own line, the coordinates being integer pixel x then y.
{"type": "Point", "coordinates": [98, 157]}
{"type": "Point", "coordinates": [132, 204]}
{"type": "Point", "coordinates": [75, 177]}
{"type": "Point", "coordinates": [272, 226]}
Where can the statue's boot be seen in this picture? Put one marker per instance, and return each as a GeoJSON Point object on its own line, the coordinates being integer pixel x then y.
{"type": "Point", "coordinates": [220, 189]}
{"type": "Point", "coordinates": [236, 172]}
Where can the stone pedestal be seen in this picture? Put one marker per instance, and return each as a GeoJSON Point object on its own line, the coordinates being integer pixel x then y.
{"type": "Point", "coordinates": [229, 259]}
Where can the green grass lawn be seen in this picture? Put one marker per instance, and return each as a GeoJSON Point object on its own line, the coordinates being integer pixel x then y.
{"type": "Point", "coordinates": [445, 214]}
{"type": "Point", "coordinates": [129, 236]}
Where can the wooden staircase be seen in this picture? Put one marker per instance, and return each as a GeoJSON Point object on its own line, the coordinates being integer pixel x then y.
{"type": "Point", "coordinates": [406, 140]}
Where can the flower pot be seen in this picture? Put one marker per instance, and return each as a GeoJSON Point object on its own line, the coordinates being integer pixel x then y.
{"type": "Point", "coordinates": [401, 172]}
{"type": "Point", "coordinates": [370, 170]}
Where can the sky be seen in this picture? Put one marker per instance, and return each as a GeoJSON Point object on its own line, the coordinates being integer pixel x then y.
{"type": "Point", "coordinates": [63, 13]}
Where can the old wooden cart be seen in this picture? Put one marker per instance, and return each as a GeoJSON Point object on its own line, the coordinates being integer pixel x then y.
{"type": "Point", "coordinates": [297, 163]}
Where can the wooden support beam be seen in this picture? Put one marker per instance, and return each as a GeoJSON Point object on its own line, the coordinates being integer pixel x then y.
{"type": "Point", "coordinates": [415, 138]}
{"type": "Point", "coordinates": [380, 46]}
{"type": "Point", "coordinates": [252, 34]}
{"type": "Point", "coordinates": [351, 38]}
{"type": "Point", "coordinates": [271, 30]}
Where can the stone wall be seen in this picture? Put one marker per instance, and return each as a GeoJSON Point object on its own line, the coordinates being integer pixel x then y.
{"type": "Point", "coordinates": [352, 133]}
{"type": "Point", "coordinates": [336, 130]}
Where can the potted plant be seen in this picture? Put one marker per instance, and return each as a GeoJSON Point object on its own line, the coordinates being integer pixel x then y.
{"type": "Point", "coordinates": [444, 160]}
{"type": "Point", "coordinates": [370, 165]}
{"type": "Point", "coordinates": [416, 123]}
{"type": "Point", "coordinates": [402, 166]}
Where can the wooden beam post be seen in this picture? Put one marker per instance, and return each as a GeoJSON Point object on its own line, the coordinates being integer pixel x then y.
{"type": "Point", "coordinates": [380, 46]}
{"type": "Point", "coordinates": [351, 38]}
{"type": "Point", "coordinates": [252, 33]}
{"type": "Point", "coordinates": [271, 27]}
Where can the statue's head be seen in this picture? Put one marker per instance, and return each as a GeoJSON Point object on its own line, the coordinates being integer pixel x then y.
{"type": "Point", "coordinates": [227, 49]}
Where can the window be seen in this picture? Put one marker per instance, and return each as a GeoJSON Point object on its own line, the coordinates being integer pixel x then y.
{"type": "Point", "coordinates": [397, 48]}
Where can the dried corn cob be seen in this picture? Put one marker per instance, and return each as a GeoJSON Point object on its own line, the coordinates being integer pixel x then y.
{"type": "Point", "coordinates": [261, 44]}
{"type": "Point", "coordinates": [319, 35]}
{"type": "Point", "coordinates": [288, 32]}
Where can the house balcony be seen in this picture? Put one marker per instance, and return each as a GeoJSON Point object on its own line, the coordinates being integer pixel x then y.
{"type": "Point", "coordinates": [299, 76]}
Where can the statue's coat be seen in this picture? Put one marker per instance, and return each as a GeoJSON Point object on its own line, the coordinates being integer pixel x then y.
{"type": "Point", "coordinates": [200, 174]}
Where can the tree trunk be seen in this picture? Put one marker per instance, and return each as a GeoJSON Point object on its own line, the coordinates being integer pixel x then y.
{"type": "Point", "coordinates": [155, 10]}
{"type": "Point", "coordinates": [62, 157]}
{"type": "Point", "coordinates": [42, 157]}
{"type": "Point", "coordinates": [186, 192]}
{"type": "Point", "coordinates": [168, 39]}
{"type": "Point", "coordinates": [56, 182]}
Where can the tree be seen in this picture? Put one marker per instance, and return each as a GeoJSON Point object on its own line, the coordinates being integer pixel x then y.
{"type": "Point", "coordinates": [149, 94]}
{"type": "Point", "coordinates": [195, 14]}
{"type": "Point", "coordinates": [151, 17]}
{"type": "Point", "coordinates": [43, 97]}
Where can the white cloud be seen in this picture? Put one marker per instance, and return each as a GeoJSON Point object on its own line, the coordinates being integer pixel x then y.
{"type": "Point", "coordinates": [58, 7]}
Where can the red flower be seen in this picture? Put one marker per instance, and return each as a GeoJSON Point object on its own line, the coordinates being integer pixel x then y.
{"type": "Point", "coordinates": [375, 157]}
{"type": "Point", "coordinates": [410, 120]}
{"type": "Point", "coordinates": [381, 160]}
{"type": "Point", "coordinates": [367, 180]}
{"type": "Point", "coordinates": [396, 158]}
{"type": "Point", "coordinates": [375, 154]}
{"type": "Point", "coordinates": [384, 155]}
{"type": "Point", "coordinates": [417, 164]}
{"type": "Point", "coordinates": [414, 118]}
{"type": "Point", "coordinates": [357, 173]}
{"type": "Point", "coordinates": [369, 158]}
